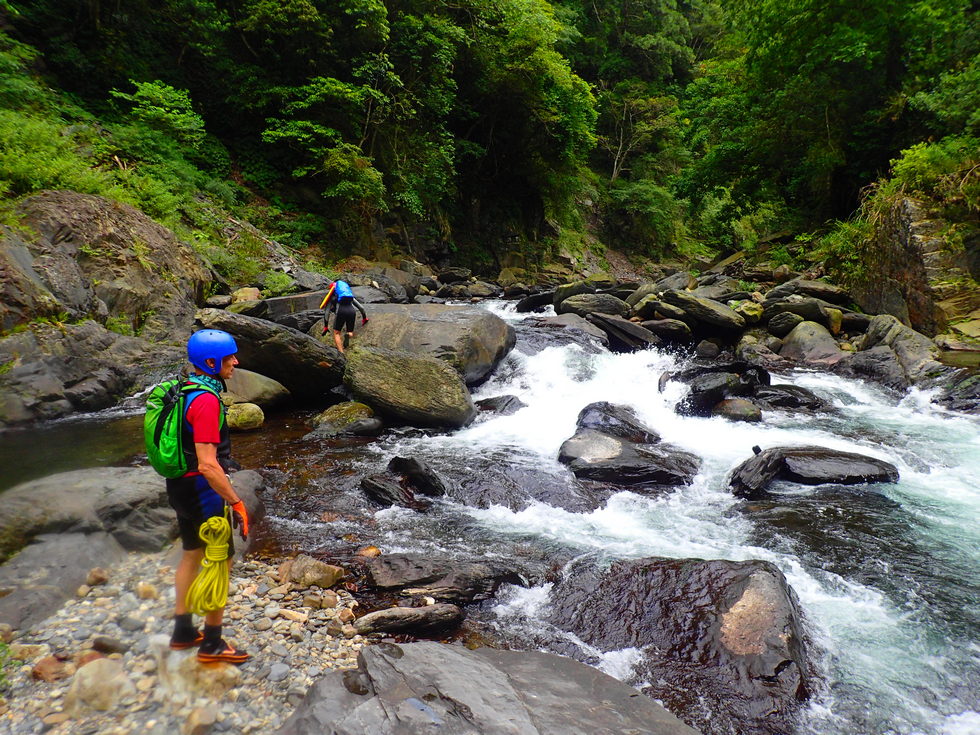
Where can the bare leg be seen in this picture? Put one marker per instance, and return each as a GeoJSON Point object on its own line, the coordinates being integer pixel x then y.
{"type": "Point", "coordinates": [187, 569]}
{"type": "Point", "coordinates": [338, 340]}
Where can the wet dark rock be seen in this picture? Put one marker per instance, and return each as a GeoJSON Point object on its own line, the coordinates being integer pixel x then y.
{"type": "Point", "coordinates": [306, 366]}
{"type": "Point", "coordinates": [669, 330]}
{"type": "Point", "coordinates": [707, 349]}
{"type": "Point", "coordinates": [816, 289]}
{"type": "Point", "coordinates": [962, 392]}
{"type": "Point", "coordinates": [808, 465]}
{"type": "Point", "coordinates": [385, 490]}
{"type": "Point", "coordinates": [879, 364]}
{"type": "Point", "coordinates": [851, 322]}
{"type": "Point", "coordinates": [722, 641]}
{"type": "Point", "coordinates": [624, 335]}
{"type": "Point", "coordinates": [516, 482]}
{"type": "Point", "coordinates": [737, 409]}
{"type": "Point", "coordinates": [504, 405]}
{"type": "Point", "coordinates": [706, 391]}
{"type": "Point", "coordinates": [574, 321]}
{"type": "Point", "coordinates": [417, 688]}
{"type": "Point", "coordinates": [618, 421]}
{"type": "Point", "coordinates": [812, 310]}
{"type": "Point", "coordinates": [453, 580]}
{"type": "Point", "coordinates": [427, 619]}
{"type": "Point", "coordinates": [419, 476]}
{"type": "Point", "coordinates": [301, 321]}
{"type": "Point", "coordinates": [784, 323]}
{"type": "Point", "coordinates": [575, 288]}
{"type": "Point", "coordinates": [454, 275]}
{"type": "Point", "coordinates": [789, 396]}
{"type": "Point", "coordinates": [535, 302]}
{"type": "Point", "coordinates": [596, 456]}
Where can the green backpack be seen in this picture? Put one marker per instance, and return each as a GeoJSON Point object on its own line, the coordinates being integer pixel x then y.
{"type": "Point", "coordinates": [162, 425]}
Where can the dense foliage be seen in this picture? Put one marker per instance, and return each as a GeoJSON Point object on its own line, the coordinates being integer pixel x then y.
{"type": "Point", "coordinates": [476, 126]}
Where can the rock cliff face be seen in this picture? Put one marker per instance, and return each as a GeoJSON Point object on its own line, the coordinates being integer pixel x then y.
{"type": "Point", "coordinates": [88, 257]}
{"type": "Point", "coordinates": [82, 263]}
{"type": "Point", "coordinates": [926, 270]}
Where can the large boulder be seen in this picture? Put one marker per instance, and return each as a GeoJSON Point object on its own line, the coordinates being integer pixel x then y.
{"type": "Point", "coordinates": [593, 303]}
{"type": "Point", "coordinates": [806, 465]}
{"type": "Point", "coordinates": [722, 641]}
{"type": "Point", "coordinates": [916, 353]}
{"type": "Point", "coordinates": [51, 370]}
{"type": "Point", "coordinates": [37, 581]}
{"type": "Point", "coordinates": [616, 420]}
{"type": "Point", "coordinates": [624, 335]}
{"type": "Point", "coordinates": [811, 344]}
{"type": "Point", "coordinates": [594, 455]}
{"type": "Point", "coordinates": [91, 257]}
{"type": "Point", "coordinates": [246, 386]}
{"type": "Point", "coordinates": [469, 339]}
{"type": "Point", "coordinates": [423, 687]}
{"type": "Point", "coordinates": [306, 366]}
{"type": "Point", "coordinates": [128, 503]}
{"type": "Point", "coordinates": [706, 311]}
{"type": "Point", "coordinates": [415, 389]}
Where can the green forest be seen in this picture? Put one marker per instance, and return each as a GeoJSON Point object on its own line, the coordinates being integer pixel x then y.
{"type": "Point", "coordinates": [466, 129]}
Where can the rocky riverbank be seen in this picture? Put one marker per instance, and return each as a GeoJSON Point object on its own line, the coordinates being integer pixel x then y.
{"type": "Point", "coordinates": [101, 664]}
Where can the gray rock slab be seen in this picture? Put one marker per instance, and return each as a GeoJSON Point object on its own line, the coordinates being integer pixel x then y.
{"type": "Point", "coordinates": [431, 687]}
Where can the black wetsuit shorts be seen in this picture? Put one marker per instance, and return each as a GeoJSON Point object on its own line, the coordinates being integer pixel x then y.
{"type": "Point", "coordinates": [195, 502]}
{"type": "Point", "coordinates": [344, 322]}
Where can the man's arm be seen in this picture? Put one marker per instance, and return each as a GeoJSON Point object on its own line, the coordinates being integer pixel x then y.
{"type": "Point", "coordinates": [360, 308]}
{"type": "Point", "coordinates": [207, 465]}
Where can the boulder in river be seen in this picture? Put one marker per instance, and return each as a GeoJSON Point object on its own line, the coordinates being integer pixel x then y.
{"type": "Point", "coordinates": [449, 579]}
{"type": "Point", "coordinates": [419, 476]}
{"type": "Point", "coordinates": [616, 420]}
{"type": "Point", "coordinates": [593, 303]}
{"type": "Point", "coordinates": [504, 405]}
{"type": "Point", "coordinates": [624, 335]}
{"type": "Point", "coordinates": [246, 386]}
{"type": "Point", "coordinates": [594, 455]}
{"type": "Point", "coordinates": [306, 366]}
{"type": "Point", "coordinates": [721, 641]}
{"type": "Point", "coordinates": [706, 311]}
{"type": "Point", "coordinates": [348, 417]}
{"type": "Point", "coordinates": [415, 389]}
{"type": "Point", "coordinates": [811, 344]}
{"type": "Point", "coordinates": [424, 687]}
{"type": "Point", "coordinates": [469, 339]}
{"type": "Point", "coordinates": [807, 465]}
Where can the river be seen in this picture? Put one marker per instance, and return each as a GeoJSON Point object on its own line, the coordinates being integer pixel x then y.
{"type": "Point", "coordinates": [889, 580]}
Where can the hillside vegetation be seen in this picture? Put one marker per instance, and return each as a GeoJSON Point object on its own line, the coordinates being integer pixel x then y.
{"type": "Point", "coordinates": [472, 131]}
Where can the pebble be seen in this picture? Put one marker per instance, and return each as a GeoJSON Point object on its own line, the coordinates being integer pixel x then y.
{"type": "Point", "coordinates": [119, 621]}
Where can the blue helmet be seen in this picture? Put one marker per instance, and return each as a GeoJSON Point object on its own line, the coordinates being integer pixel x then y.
{"type": "Point", "coordinates": [210, 343]}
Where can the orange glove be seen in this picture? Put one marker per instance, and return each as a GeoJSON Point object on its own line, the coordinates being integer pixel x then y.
{"type": "Point", "coordinates": [239, 518]}
{"type": "Point", "coordinates": [364, 321]}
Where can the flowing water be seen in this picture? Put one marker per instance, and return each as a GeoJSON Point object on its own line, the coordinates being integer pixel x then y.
{"type": "Point", "coordinates": [887, 579]}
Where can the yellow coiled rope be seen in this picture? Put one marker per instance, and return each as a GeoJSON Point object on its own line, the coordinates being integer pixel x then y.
{"type": "Point", "coordinates": [209, 590]}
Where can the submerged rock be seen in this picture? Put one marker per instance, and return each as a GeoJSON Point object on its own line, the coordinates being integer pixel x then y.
{"type": "Point", "coordinates": [807, 465]}
{"type": "Point", "coordinates": [423, 687]}
{"type": "Point", "coordinates": [620, 421]}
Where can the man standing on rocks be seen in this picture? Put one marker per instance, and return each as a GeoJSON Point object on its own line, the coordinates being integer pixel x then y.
{"type": "Point", "coordinates": [203, 491]}
{"type": "Point", "coordinates": [340, 298]}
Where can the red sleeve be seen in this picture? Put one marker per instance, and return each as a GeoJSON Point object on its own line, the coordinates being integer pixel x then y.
{"type": "Point", "coordinates": [204, 415]}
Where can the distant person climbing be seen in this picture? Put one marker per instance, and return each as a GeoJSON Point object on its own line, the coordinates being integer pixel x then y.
{"type": "Point", "coordinates": [340, 299]}
{"type": "Point", "coordinates": [202, 492]}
